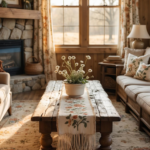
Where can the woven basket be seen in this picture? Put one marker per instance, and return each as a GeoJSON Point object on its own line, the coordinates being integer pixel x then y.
{"type": "Point", "coordinates": [33, 68]}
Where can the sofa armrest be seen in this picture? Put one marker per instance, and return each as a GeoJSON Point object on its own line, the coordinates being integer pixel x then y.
{"type": "Point", "coordinates": [119, 69]}
{"type": "Point", "coordinates": [4, 78]}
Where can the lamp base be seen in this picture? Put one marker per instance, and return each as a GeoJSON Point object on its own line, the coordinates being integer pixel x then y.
{"type": "Point", "coordinates": [137, 44]}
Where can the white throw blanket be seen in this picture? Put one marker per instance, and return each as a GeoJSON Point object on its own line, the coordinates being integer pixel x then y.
{"type": "Point", "coordinates": [76, 123]}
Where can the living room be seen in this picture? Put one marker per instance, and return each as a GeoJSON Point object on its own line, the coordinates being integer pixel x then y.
{"type": "Point", "coordinates": [74, 75]}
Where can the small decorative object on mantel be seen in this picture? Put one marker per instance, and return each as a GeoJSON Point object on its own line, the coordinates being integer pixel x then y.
{"type": "Point", "coordinates": [75, 76]}
{"type": "Point", "coordinates": [11, 3]}
{"type": "Point", "coordinates": [113, 60]}
{"type": "Point", "coordinates": [33, 68]}
{"type": "Point", "coordinates": [1, 66]}
{"type": "Point", "coordinates": [27, 4]}
{"type": "Point", "coordinates": [4, 3]}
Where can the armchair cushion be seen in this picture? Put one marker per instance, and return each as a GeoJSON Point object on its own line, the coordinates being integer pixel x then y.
{"type": "Point", "coordinates": [4, 91]}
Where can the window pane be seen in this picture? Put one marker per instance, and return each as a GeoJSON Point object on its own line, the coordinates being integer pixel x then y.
{"type": "Point", "coordinates": [111, 16]}
{"type": "Point", "coordinates": [96, 35]}
{"type": "Point", "coordinates": [111, 35]}
{"type": "Point", "coordinates": [96, 2]}
{"type": "Point", "coordinates": [71, 16]}
{"type": "Point", "coordinates": [71, 2]}
{"type": "Point", "coordinates": [71, 35]}
{"type": "Point", "coordinates": [58, 35]}
{"type": "Point", "coordinates": [111, 2]}
{"type": "Point", "coordinates": [96, 16]}
{"type": "Point", "coordinates": [57, 15]}
{"type": "Point", "coordinates": [57, 2]}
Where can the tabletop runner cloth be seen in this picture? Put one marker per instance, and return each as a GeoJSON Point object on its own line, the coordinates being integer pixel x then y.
{"type": "Point", "coordinates": [76, 123]}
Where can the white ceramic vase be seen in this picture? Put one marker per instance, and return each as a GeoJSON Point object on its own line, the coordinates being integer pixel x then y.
{"type": "Point", "coordinates": [74, 90]}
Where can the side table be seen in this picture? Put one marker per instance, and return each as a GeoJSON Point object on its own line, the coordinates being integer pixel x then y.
{"type": "Point", "coordinates": [108, 73]}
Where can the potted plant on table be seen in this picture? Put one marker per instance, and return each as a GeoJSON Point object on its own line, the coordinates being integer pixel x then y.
{"type": "Point", "coordinates": [74, 74]}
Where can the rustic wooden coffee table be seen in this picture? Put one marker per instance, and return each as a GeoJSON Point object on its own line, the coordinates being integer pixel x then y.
{"type": "Point", "coordinates": [47, 110]}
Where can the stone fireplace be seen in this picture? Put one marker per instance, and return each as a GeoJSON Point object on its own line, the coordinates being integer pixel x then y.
{"type": "Point", "coordinates": [19, 30]}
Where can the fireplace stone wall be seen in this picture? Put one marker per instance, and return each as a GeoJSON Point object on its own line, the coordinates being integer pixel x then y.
{"type": "Point", "coordinates": [24, 83]}
{"type": "Point", "coordinates": [18, 29]}
{"type": "Point", "coordinates": [22, 29]}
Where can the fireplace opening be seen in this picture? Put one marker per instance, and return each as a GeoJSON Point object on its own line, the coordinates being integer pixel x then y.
{"type": "Point", "coordinates": [12, 55]}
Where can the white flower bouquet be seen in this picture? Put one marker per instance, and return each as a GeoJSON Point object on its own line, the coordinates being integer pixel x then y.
{"type": "Point", "coordinates": [74, 72]}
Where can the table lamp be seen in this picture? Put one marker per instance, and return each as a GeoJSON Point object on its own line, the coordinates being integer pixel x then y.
{"type": "Point", "coordinates": [138, 32]}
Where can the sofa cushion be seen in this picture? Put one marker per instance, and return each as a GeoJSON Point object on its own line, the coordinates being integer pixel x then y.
{"type": "Point", "coordinates": [143, 100]}
{"type": "Point", "coordinates": [4, 90]}
{"type": "Point", "coordinates": [133, 90]}
{"type": "Point", "coordinates": [125, 81]}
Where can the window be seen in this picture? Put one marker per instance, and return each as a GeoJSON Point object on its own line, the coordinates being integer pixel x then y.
{"type": "Point", "coordinates": [103, 22]}
{"type": "Point", "coordinates": [65, 15]}
{"type": "Point", "coordinates": [99, 28]}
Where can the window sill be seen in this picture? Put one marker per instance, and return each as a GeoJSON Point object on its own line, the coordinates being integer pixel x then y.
{"type": "Point", "coordinates": [90, 46]}
{"type": "Point", "coordinates": [78, 49]}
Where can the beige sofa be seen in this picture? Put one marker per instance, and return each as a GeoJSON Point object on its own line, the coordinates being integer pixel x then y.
{"type": "Point", "coordinates": [135, 95]}
{"type": "Point", "coordinates": [5, 94]}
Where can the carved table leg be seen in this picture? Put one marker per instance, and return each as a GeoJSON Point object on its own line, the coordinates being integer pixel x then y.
{"type": "Point", "coordinates": [105, 141]}
{"type": "Point", "coordinates": [46, 141]}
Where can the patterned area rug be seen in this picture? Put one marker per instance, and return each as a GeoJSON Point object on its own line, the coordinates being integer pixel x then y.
{"type": "Point", "coordinates": [19, 133]}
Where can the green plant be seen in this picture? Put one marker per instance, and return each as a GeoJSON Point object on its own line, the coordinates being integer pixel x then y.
{"type": "Point", "coordinates": [4, 3]}
{"type": "Point", "coordinates": [74, 72]}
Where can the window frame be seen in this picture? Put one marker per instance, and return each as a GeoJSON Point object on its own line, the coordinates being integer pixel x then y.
{"type": "Point", "coordinates": [102, 6]}
{"type": "Point", "coordinates": [84, 14]}
{"type": "Point", "coordinates": [79, 6]}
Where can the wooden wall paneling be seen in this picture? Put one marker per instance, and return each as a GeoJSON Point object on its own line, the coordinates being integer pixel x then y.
{"type": "Point", "coordinates": [144, 11]}
{"type": "Point", "coordinates": [100, 58]}
{"type": "Point", "coordinates": [95, 66]}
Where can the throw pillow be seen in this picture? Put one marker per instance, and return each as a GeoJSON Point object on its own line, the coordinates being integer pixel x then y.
{"type": "Point", "coordinates": [134, 62]}
{"type": "Point", "coordinates": [147, 51]}
{"type": "Point", "coordinates": [1, 67]}
{"type": "Point", "coordinates": [143, 72]}
{"type": "Point", "coordinates": [136, 52]}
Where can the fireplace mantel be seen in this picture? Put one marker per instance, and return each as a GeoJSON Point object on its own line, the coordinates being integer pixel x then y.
{"type": "Point", "coordinates": [19, 13]}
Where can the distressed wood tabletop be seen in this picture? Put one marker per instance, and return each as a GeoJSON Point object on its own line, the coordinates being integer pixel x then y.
{"type": "Point", "coordinates": [48, 107]}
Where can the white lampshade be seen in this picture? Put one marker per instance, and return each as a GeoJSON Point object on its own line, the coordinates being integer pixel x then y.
{"type": "Point", "coordinates": [139, 31]}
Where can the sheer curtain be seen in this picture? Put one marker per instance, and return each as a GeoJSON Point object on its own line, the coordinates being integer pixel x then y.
{"type": "Point", "coordinates": [44, 48]}
{"type": "Point", "coordinates": [129, 15]}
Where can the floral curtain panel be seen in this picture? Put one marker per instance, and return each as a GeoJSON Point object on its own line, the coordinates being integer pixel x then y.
{"type": "Point", "coordinates": [129, 15]}
{"type": "Point", "coordinates": [44, 48]}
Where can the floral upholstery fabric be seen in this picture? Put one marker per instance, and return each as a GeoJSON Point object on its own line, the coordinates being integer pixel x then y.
{"type": "Point", "coordinates": [134, 62]}
{"type": "Point", "coordinates": [43, 38]}
{"type": "Point", "coordinates": [143, 72]}
{"type": "Point", "coordinates": [129, 16]}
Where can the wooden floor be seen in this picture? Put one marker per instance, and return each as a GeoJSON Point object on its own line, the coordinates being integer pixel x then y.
{"type": "Point", "coordinates": [32, 95]}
